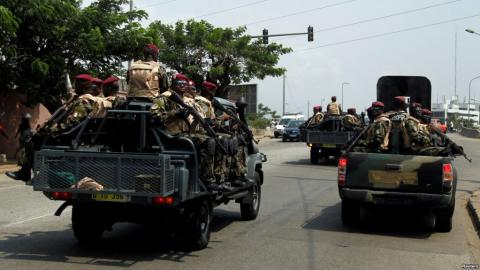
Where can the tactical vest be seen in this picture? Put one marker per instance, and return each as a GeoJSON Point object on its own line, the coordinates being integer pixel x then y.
{"type": "Point", "coordinates": [333, 108]}
{"type": "Point", "coordinates": [143, 79]}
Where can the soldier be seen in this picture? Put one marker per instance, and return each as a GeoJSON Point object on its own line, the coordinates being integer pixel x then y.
{"type": "Point", "coordinates": [25, 150]}
{"type": "Point", "coordinates": [416, 110]}
{"type": "Point", "coordinates": [333, 108]}
{"type": "Point", "coordinates": [147, 78]}
{"type": "Point", "coordinates": [176, 121]}
{"type": "Point", "coordinates": [317, 117]}
{"type": "Point", "coordinates": [379, 130]}
{"type": "Point", "coordinates": [111, 88]}
{"type": "Point", "coordinates": [97, 87]}
{"type": "Point", "coordinates": [351, 121]}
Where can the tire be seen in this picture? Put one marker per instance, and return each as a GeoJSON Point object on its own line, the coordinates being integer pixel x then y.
{"type": "Point", "coordinates": [249, 211]}
{"type": "Point", "coordinates": [350, 213]}
{"type": "Point", "coordinates": [87, 224]}
{"type": "Point", "coordinates": [275, 135]}
{"type": "Point", "coordinates": [198, 225]}
{"type": "Point", "coordinates": [284, 140]}
{"type": "Point", "coordinates": [444, 218]}
{"type": "Point", "coordinates": [314, 155]}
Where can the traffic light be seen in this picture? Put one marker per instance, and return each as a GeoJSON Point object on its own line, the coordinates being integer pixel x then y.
{"type": "Point", "coordinates": [265, 36]}
{"type": "Point", "coordinates": [310, 33]}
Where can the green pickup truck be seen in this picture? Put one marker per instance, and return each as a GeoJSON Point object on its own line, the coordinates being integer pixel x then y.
{"type": "Point", "coordinates": [396, 180]}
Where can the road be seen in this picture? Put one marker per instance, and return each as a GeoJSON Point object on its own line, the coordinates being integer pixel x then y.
{"type": "Point", "coordinates": [299, 227]}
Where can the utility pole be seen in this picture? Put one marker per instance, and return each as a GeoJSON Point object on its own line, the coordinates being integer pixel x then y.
{"type": "Point", "coordinates": [283, 95]}
{"type": "Point", "coordinates": [455, 72]}
{"type": "Point", "coordinates": [131, 8]}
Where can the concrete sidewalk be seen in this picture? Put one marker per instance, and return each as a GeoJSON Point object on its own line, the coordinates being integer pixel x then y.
{"type": "Point", "coordinates": [473, 206]}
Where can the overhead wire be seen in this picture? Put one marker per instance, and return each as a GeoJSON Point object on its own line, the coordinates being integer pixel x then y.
{"type": "Point", "coordinates": [230, 9]}
{"type": "Point", "coordinates": [387, 33]}
{"type": "Point", "coordinates": [300, 12]}
{"type": "Point", "coordinates": [158, 4]}
{"type": "Point", "coordinates": [378, 18]}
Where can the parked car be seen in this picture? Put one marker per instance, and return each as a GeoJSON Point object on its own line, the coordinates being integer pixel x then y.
{"type": "Point", "coordinates": [292, 131]}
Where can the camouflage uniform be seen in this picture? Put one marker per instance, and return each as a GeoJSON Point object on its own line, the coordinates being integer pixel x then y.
{"type": "Point", "coordinates": [316, 119]}
{"type": "Point", "coordinates": [351, 121]}
{"type": "Point", "coordinates": [416, 134]}
{"type": "Point", "coordinates": [82, 107]}
{"type": "Point", "coordinates": [378, 134]}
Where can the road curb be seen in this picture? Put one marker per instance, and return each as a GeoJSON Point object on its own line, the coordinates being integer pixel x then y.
{"type": "Point", "coordinates": [473, 206]}
{"type": "Point", "coordinates": [8, 167]}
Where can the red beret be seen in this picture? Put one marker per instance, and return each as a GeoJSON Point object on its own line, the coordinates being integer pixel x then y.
{"type": "Point", "coordinates": [369, 109]}
{"type": "Point", "coordinates": [378, 104]}
{"type": "Point", "coordinates": [152, 47]}
{"type": "Point", "coordinates": [180, 77]}
{"type": "Point", "coordinates": [97, 81]}
{"type": "Point", "coordinates": [426, 112]}
{"type": "Point", "coordinates": [399, 99]}
{"type": "Point", "coordinates": [85, 77]}
{"type": "Point", "coordinates": [209, 86]}
{"type": "Point", "coordinates": [110, 80]}
{"type": "Point", "coordinates": [318, 107]}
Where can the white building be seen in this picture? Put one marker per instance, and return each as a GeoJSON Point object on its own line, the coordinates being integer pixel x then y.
{"type": "Point", "coordinates": [453, 108]}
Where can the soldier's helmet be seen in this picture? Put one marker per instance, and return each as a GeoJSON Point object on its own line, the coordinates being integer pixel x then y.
{"type": "Point", "coordinates": [352, 111]}
{"type": "Point", "coordinates": [151, 50]}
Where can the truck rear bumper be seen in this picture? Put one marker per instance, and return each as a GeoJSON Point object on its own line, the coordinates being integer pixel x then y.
{"type": "Point", "coordinates": [392, 198]}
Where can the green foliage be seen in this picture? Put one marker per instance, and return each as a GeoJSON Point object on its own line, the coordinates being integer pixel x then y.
{"type": "Point", "coordinates": [222, 55]}
{"type": "Point", "coordinates": [258, 120]}
{"type": "Point", "coordinates": [42, 39]}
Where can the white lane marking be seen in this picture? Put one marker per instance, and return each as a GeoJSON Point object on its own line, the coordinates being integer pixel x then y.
{"type": "Point", "coordinates": [30, 219]}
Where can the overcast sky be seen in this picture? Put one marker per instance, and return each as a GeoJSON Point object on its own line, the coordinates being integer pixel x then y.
{"type": "Point", "coordinates": [317, 69]}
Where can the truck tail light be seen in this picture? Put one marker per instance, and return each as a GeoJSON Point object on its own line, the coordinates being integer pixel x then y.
{"type": "Point", "coordinates": [61, 195]}
{"type": "Point", "coordinates": [162, 200]}
{"type": "Point", "coordinates": [342, 171]}
{"type": "Point", "coordinates": [447, 173]}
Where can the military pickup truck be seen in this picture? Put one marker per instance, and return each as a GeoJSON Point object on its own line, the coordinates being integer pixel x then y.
{"type": "Point", "coordinates": [122, 168]}
{"type": "Point", "coordinates": [327, 138]}
{"type": "Point", "coordinates": [395, 180]}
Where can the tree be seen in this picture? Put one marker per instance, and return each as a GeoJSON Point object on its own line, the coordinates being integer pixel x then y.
{"type": "Point", "coordinates": [221, 55]}
{"type": "Point", "coordinates": [41, 40]}
{"type": "Point", "coordinates": [258, 120]}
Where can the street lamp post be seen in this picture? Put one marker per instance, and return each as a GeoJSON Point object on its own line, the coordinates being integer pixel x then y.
{"type": "Point", "coordinates": [343, 83]}
{"type": "Point", "coordinates": [471, 31]}
{"type": "Point", "coordinates": [469, 91]}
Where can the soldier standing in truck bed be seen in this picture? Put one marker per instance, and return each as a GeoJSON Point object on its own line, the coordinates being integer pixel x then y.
{"type": "Point", "coordinates": [333, 108]}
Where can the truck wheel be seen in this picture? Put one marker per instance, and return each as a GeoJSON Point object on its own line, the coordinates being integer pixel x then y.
{"type": "Point", "coordinates": [198, 223]}
{"type": "Point", "coordinates": [350, 213]}
{"type": "Point", "coordinates": [249, 211]}
{"type": "Point", "coordinates": [87, 225]}
{"type": "Point", "coordinates": [284, 140]}
{"type": "Point", "coordinates": [314, 155]}
{"type": "Point", "coordinates": [444, 219]}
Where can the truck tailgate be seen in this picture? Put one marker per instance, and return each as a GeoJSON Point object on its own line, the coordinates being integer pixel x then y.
{"type": "Point", "coordinates": [395, 172]}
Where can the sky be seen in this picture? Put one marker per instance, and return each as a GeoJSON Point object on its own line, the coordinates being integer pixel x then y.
{"type": "Point", "coordinates": [359, 41]}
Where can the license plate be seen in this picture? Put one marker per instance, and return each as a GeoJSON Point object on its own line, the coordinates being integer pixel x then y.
{"type": "Point", "coordinates": [329, 145]}
{"type": "Point", "coordinates": [106, 197]}
{"type": "Point", "coordinates": [392, 179]}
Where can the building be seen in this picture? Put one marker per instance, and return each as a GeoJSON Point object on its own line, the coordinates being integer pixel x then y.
{"type": "Point", "coordinates": [248, 91]}
{"type": "Point", "coordinates": [452, 109]}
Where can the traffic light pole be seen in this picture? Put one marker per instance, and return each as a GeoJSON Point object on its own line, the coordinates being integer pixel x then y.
{"type": "Point", "coordinates": [265, 35]}
{"type": "Point", "coordinates": [280, 35]}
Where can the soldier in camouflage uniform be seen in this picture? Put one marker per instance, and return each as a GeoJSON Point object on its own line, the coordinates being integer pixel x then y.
{"type": "Point", "coordinates": [177, 121]}
{"type": "Point", "coordinates": [111, 88]}
{"type": "Point", "coordinates": [379, 130]}
{"type": "Point", "coordinates": [333, 108]}
{"type": "Point", "coordinates": [351, 121]}
{"type": "Point", "coordinates": [146, 78]}
{"type": "Point", "coordinates": [317, 117]}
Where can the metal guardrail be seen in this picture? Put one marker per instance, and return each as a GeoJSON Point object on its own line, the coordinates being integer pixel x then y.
{"type": "Point", "coordinates": [130, 174]}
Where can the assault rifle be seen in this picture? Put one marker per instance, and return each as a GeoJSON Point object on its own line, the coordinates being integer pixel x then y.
{"type": "Point", "coordinates": [217, 104]}
{"type": "Point", "coordinates": [177, 99]}
{"type": "Point", "coordinates": [59, 114]}
{"type": "Point", "coordinates": [452, 146]}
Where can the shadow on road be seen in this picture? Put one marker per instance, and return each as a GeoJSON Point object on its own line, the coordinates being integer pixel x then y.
{"type": "Point", "coordinates": [125, 246]}
{"type": "Point", "coordinates": [394, 222]}
{"type": "Point", "coordinates": [321, 162]}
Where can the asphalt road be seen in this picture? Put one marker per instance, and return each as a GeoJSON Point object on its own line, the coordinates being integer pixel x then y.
{"type": "Point", "coordinates": [299, 227]}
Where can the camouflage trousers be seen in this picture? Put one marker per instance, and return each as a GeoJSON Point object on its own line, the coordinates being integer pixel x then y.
{"type": "Point", "coordinates": [238, 163]}
{"type": "Point", "coordinates": [206, 158]}
{"type": "Point", "coordinates": [222, 161]}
